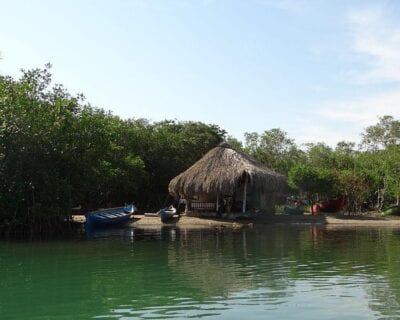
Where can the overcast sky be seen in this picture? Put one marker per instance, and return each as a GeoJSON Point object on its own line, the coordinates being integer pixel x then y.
{"type": "Point", "coordinates": [320, 70]}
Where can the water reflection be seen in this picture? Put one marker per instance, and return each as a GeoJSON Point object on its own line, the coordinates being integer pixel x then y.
{"type": "Point", "coordinates": [267, 272]}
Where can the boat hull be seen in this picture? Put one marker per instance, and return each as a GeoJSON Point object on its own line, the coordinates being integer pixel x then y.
{"type": "Point", "coordinates": [109, 217]}
{"type": "Point", "coordinates": [166, 216]}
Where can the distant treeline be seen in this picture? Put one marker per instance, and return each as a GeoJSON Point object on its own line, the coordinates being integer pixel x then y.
{"type": "Point", "coordinates": [367, 175]}
{"type": "Point", "coordinates": [58, 152]}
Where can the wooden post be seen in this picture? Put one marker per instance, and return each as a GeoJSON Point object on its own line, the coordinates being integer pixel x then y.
{"type": "Point", "coordinates": [217, 206]}
{"type": "Point", "coordinates": [244, 195]}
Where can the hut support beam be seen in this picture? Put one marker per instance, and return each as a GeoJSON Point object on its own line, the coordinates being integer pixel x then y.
{"type": "Point", "coordinates": [244, 195]}
{"type": "Point", "coordinates": [217, 206]}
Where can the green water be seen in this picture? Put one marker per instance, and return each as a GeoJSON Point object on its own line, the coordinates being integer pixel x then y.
{"type": "Point", "coordinates": [274, 272]}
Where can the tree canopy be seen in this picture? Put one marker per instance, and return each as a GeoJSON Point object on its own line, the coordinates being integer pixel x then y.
{"type": "Point", "coordinates": [58, 152]}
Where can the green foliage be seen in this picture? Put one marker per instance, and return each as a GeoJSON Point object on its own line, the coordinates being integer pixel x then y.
{"type": "Point", "coordinates": [319, 155]}
{"type": "Point", "coordinates": [57, 153]}
{"type": "Point", "coordinates": [382, 168]}
{"type": "Point", "coordinates": [234, 143]}
{"type": "Point", "coordinates": [273, 148]}
{"type": "Point", "coordinates": [312, 180]}
{"type": "Point", "coordinates": [393, 172]}
{"type": "Point", "coordinates": [385, 133]}
{"type": "Point", "coordinates": [356, 188]}
{"type": "Point", "coordinates": [392, 211]}
{"type": "Point", "coordinates": [304, 178]}
{"type": "Point", "coordinates": [368, 179]}
{"type": "Point", "coordinates": [169, 148]}
{"type": "Point", "coordinates": [345, 155]}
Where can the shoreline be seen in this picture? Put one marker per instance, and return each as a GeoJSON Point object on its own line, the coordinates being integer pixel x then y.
{"type": "Point", "coordinates": [151, 222]}
{"type": "Point", "coordinates": [141, 221]}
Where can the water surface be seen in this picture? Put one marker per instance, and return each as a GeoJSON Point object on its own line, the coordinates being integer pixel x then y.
{"type": "Point", "coordinates": [273, 272]}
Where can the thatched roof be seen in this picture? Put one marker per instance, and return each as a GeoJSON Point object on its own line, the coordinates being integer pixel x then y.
{"type": "Point", "coordinates": [223, 169]}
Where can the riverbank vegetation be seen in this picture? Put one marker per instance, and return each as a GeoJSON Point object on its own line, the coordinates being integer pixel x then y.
{"type": "Point", "coordinates": [58, 152]}
{"type": "Point", "coordinates": [367, 175]}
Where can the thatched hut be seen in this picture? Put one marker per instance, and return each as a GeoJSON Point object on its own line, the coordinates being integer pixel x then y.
{"type": "Point", "coordinates": [227, 180]}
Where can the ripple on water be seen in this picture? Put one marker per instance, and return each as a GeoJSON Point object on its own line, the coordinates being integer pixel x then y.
{"type": "Point", "coordinates": [275, 273]}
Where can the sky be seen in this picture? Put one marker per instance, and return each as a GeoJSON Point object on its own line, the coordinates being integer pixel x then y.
{"type": "Point", "coordinates": [320, 70]}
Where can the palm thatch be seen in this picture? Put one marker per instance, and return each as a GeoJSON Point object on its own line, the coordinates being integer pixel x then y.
{"type": "Point", "coordinates": [222, 169]}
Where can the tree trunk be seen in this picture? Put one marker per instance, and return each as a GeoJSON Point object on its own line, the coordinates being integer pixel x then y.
{"type": "Point", "coordinates": [244, 196]}
{"type": "Point", "coordinates": [381, 194]}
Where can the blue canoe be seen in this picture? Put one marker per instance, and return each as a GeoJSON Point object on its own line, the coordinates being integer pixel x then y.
{"type": "Point", "coordinates": [109, 217]}
{"type": "Point", "coordinates": [166, 214]}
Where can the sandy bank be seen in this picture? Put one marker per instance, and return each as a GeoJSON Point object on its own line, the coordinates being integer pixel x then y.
{"type": "Point", "coordinates": [141, 221]}
{"type": "Point", "coordinates": [188, 222]}
{"type": "Point", "coordinates": [365, 221]}
{"type": "Point", "coordinates": [193, 222]}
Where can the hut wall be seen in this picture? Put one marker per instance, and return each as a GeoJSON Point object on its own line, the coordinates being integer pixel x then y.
{"type": "Point", "coordinates": [257, 201]}
{"type": "Point", "coordinates": [267, 203]}
{"type": "Point", "coordinates": [202, 204]}
{"type": "Point", "coordinates": [261, 201]}
{"type": "Point", "coordinates": [205, 197]}
{"type": "Point", "coordinates": [218, 170]}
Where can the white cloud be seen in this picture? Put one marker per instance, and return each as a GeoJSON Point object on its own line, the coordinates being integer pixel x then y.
{"type": "Point", "coordinates": [364, 110]}
{"type": "Point", "coordinates": [347, 119]}
{"type": "Point", "coordinates": [315, 129]}
{"type": "Point", "coordinates": [354, 115]}
{"type": "Point", "coordinates": [376, 45]}
{"type": "Point", "coordinates": [376, 37]}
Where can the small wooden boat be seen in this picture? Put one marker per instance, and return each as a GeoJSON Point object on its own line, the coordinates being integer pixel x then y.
{"type": "Point", "coordinates": [109, 217]}
{"type": "Point", "coordinates": [166, 214]}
